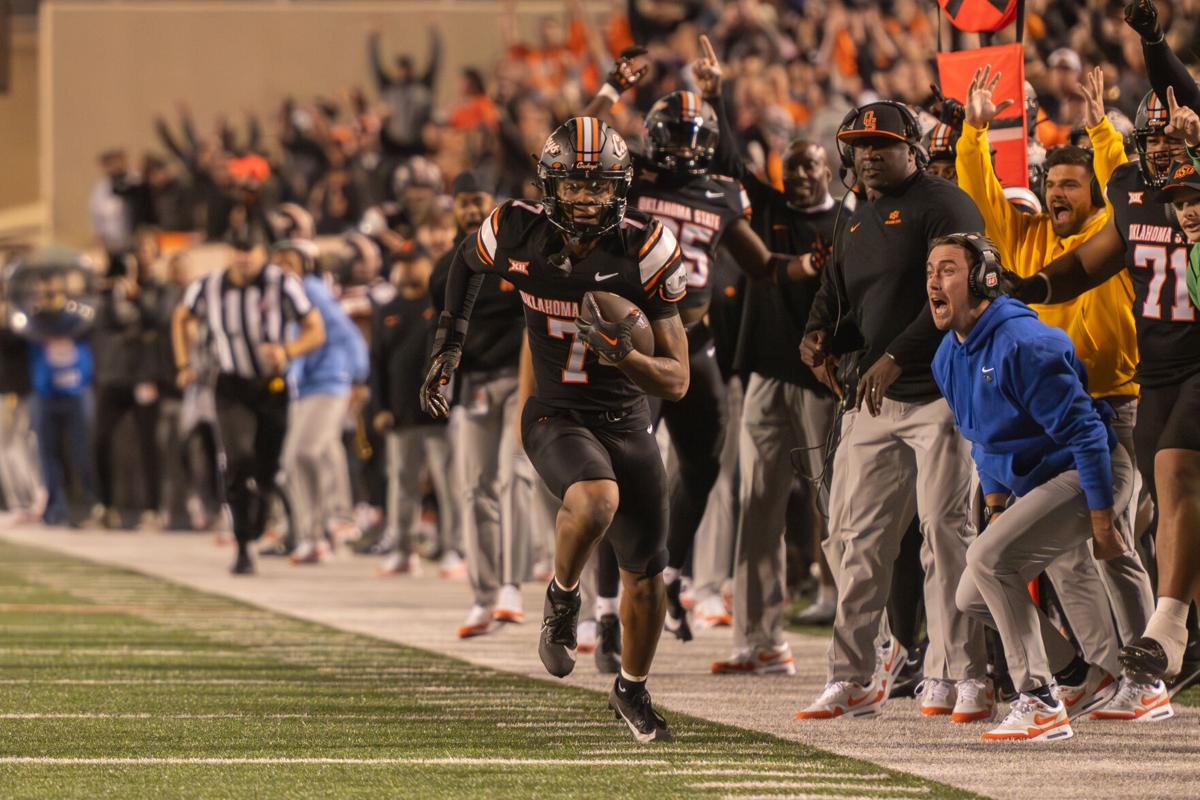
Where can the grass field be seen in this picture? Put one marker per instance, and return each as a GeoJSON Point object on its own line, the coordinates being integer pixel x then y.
{"type": "Point", "coordinates": [117, 684]}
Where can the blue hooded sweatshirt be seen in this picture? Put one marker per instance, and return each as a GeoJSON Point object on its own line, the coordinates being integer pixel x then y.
{"type": "Point", "coordinates": [342, 360]}
{"type": "Point", "coordinates": [1019, 395]}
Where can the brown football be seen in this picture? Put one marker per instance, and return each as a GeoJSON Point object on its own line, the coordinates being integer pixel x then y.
{"type": "Point", "coordinates": [613, 307]}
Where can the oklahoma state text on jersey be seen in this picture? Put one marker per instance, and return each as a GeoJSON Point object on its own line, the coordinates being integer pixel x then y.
{"type": "Point", "coordinates": [638, 260]}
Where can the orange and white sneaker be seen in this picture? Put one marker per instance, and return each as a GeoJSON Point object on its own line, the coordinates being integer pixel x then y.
{"type": "Point", "coordinates": [509, 605]}
{"type": "Point", "coordinates": [846, 699]}
{"type": "Point", "coordinates": [585, 636]}
{"type": "Point", "coordinates": [1140, 702]}
{"type": "Point", "coordinates": [1031, 720]}
{"type": "Point", "coordinates": [975, 701]}
{"type": "Point", "coordinates": [890, 659]}
{"type": "Point", "coordinates": [401, 564]}
{"type": "Point", "coordinates": [710, 613]}
{"type": "Point", "coordinates": [775, 660]}
{"type": "Point", "coordinates": [937, 697]}
{"type": "Point", "coordinates": [477, 623]}
{"type": "Point", "coordinates": [1096, 691]}
{"type": "Point", "coordinates": [309, 553]}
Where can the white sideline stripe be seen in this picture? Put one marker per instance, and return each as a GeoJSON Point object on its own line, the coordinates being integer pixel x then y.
{"type": "Point", "coordinates": [806, 797]}
{"type": "Point", "coordinates": [558, 724]}
{"type": "Point", "coordinates": [905, 790]}
{"type": "Point", "coordinates": [149, 682]}
{"type": "Point", "coordinates": [313, 717]}
{"type": "Point", "coordinates": [268, 760]}
{"type": "Point", "coordinates": [768, 773]}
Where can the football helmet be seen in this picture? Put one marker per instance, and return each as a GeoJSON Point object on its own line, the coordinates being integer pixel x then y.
{"type": "Point", "coordinates": [1152, 117]}
{"type": "Point", "coordinates": [942, 142]}
{"type": "Point", "coordinates": [682, 132]}
{"type": "Point", "coordinates": [584, 175]}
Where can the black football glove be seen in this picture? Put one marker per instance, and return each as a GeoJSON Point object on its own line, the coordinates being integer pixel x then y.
{"type": "Point", "coordinates": [1142, 16]}
{"type": "Point", "coordinates": [447, 353]}
{"type": "Point", "coordinates": [947, 110]}
{"type": "Point", "coordinates": [623, 76]}
{"type": "Point", "coordinates": [611, 341]}
{"type": "Point", "coordinates": [1033, 289]}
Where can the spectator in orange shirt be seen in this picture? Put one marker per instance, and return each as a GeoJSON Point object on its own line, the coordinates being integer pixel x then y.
{"type": "Point", "coordinates": [476, 109]}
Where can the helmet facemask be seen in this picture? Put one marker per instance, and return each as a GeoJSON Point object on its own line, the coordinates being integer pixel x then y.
{"type": "Point", "coordinates": [682, 145]}
{"type": "Point", "coordinates": [584, 204]}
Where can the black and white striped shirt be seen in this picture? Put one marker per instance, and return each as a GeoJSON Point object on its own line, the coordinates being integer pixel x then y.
{"type": "Point", "coordinates": [241, 318]}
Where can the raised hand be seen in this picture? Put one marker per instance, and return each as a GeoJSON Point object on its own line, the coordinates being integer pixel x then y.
{"type": "Point", "coordinates": [1142, 16]}
{"type": "Point", "coordinates": [1183, 122]}
{"type": "Point", "coordinates": [1092, 90]}
{"type": "Point", "coordinates": [948, 110]}
{"type": "Point", "coordinates": [981, 109]}
{"type": "Point", "coordinates": [707, 69]}
{"type": "Point", "coordinates": [628, 69]}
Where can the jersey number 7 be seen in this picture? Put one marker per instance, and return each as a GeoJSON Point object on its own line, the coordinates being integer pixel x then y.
{"type": "Point", "coordinates": [562, 328]}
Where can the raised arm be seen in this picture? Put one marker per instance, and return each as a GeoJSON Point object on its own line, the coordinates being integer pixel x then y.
{"type": "Point", "coordinates": [375, 61]}
{"type": "Point", "coordinates": [1162, 65]}
{"type": "Point", "coordinates": [1077, 271]}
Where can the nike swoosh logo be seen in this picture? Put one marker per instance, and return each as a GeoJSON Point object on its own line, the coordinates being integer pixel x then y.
{"type": "Point", "coordinates": [613, 342]}
{"type": "Point", "coordinates": [1149, 701]}
{"type": "Point", "coordinates": [1071, 703]}
{"type": "Point", "coordinates": [988, 370]}
{"type": "Point", "coordinates": [855, 227]}
{"type": "Point", "coordinates": [606, 277]}
{"type": "Point", "coordinates": [713, 195]}
{"type": "Point", "coordinates": [853, 701]}
{"type": "Point", "coordinates": [1038, 719]}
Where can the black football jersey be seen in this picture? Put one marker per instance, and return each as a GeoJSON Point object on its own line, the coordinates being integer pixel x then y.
{"type": "Point", "coordinates": [1156, 255]}
{"type": "Point", "coordinates": [639, 260]}
{"type": "Point", "coordinates": [697, 210]}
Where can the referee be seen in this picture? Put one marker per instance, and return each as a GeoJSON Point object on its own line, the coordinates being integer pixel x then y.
{"type": "Point", "coordinates": [246, 309]}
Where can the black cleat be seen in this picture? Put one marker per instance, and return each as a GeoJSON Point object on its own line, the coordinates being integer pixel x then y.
{"type": "Point", "coordinates": [608, 645]}
{"type": "Point", "coordinates": [244, 564]}
{"type": "Point", "coordinates": [557, 643]}
{"type": "Point", "coordinates": [1143, 660]}
{"type": "Point", "coordinates": [637, 712]}
{"type": "Point", "coordinates": [677, 622]}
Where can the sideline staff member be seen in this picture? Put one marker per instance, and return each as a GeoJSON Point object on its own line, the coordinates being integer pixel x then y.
{"type": "Point", "coordinates": [904, 453]}
{"type": "Point", "coordinates": [246, 309]}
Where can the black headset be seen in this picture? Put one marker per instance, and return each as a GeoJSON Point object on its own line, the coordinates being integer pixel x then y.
{"type": "Point", "coordinates": [985, 279]}
{"type": "Point", "coordinates": [912, 134]}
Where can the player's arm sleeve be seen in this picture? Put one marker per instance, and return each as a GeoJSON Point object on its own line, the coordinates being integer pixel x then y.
{"type": "Point", "coordinates": [1038, 375]}
{"type": "Point", "coordinates": [661, 271]}
{"type": "Point", "coordinates": [955, 214]}
{"type": "Point", "coordinates": [1108, 150]}
{"type": "Point", "coordinates": [476, 256]}
{"type": "Point", "coordinates": [1166, 70]}
{"type": "Point", "coordinates": [727, 159]}
{"type": "Point", "coordinates": [1003, 223]}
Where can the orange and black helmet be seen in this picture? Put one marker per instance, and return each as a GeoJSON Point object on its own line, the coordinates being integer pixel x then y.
{"type": "Point", "coordinates": [1152, 117]}
{"type": "Point", "coordinates": [941, 143]}
{"type": "Point", "coordinates": [585, 149]}
{"type": "Point", "coordinates": [682, 133]}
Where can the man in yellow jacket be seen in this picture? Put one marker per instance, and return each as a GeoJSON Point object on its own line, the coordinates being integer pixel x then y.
{"type": "Point", "coordinates": [1101, 325]}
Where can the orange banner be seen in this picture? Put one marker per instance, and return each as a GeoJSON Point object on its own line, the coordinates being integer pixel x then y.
{"type": "Point", "coordinates": [1007, 133]}
{"type": "Point", "coordinates": [977, 16]}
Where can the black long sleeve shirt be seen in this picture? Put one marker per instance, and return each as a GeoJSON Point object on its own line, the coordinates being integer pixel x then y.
{"type": "Point", "coordinates": [884, 249]}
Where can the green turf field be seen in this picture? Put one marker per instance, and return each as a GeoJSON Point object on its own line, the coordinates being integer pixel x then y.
{"type": "Point", "coordinates": [114, 684]}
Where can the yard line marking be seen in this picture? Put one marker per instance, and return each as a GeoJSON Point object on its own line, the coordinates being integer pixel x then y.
{"type": "Point", "coordinates": [229, 715]}
{"type": "Point", "coordinates": [806, 797]}
{"type": "Point", "coordinates": [768, 773]}
{"type": "Point", "coordinates": [268, 760]}
{"type": "Point", "coordinates": [906, 790]}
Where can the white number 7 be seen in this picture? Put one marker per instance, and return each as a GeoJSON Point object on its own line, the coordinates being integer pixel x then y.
{"type": "Point", "coordinates": [560, 328]}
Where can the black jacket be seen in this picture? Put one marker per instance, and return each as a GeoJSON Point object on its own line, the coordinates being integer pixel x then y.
{"type": "Point", "coordinates": [881, 286]}
{"type": "Point", "coordinates": [132, 337]}
{"type": "Point", "coordinates": [401, 338]}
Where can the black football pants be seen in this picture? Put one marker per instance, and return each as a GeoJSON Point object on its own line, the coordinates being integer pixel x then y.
{"type": "Point", "coordinates": [251, 424]}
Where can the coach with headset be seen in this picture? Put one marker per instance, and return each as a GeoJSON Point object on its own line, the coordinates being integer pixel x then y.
{"type": "Point", "coordinates": [1019, 393]}
{"type": "Point", "coordinates": [903, 456]}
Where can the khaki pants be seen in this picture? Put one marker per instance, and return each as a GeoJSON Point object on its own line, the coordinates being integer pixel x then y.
{"type": "Point", "coordinates": [712, 552]}
{"type": "Point", "coordinates": [777, 417]}
{"type": "Point", "coordinates": [908, 460]}
{"type": "Point", "coordinates": [1048, 523]}
{"type": "Point", "coordinates": [484, 443]}
{"type": "Point", "coordinates": [314, 463]}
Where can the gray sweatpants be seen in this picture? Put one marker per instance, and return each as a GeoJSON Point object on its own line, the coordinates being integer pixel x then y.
{"type": "Point", "coordinates": [19, 477]}
{"type": "Point", "coordinates": [314, 463]}
{"type": "Point", "coordinates": [409, 451]}
{"type": "Point", "coordinates": [496, 552]}
{"type": "Point", "coordinates": [1087, 588]}
{"type": "Point", "coordinates": [909, 460]}
{"type": "Point", "coordinates": [712, 552]}
{"type": "Point", "coordinates": [777, 418]}
{"type": "Point", "coordinates": [1048, 523]}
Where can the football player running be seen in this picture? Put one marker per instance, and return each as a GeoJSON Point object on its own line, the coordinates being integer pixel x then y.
{"type": "Point", "coordinates": [672, 182]}
{"type": "Point", "coordinates": [587, 427]}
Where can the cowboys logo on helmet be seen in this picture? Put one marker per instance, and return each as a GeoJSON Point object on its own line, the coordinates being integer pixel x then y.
{"type": "Point", "coordinates": [682, 133]}
{"type": "Point", "coordinates": [584, 176]}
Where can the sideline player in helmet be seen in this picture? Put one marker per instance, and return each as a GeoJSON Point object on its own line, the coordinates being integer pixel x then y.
{"type": "Point", "coordinates": [1140, 237]}
{"type": "Point", "coordinates": [673, 183]}
{"type": "Point", "coordinates": [941, 144]}
{"type": "Point", "coordinates": [587, 427]}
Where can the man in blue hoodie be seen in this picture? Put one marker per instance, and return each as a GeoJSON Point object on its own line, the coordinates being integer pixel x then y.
{"type": "Point", "coordinates": [325, 383]}
{"type": "Point", "coordinates": [1019, 395]}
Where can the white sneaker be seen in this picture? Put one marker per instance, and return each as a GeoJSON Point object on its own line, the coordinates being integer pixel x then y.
{"type": "Point", "coordinates": [585, 636]}
{"type": "Point", "coordinates": [775, 660]}
{"type": "Point", "coordinates": [937, 697]}
{"type": "Point", "coordinates": [710, 613]}
{"type": "Point", "coordinates": [976, 700]}
{"type": "Point", "coordinates": [1031, 720]}
{"type": "Point", "coordinates": [401, 564]}
{"type": "Point", "coordinates": [1141, 702]}
{"type": "Point", "coordinates": [509, 605]}
{"type": "Point", "coordinates": [842, 698]}
{"type": "Point", "coordinates": [477, 623]}
{"type": "Point", "coordinates": [308, 552]}
{"type": "Point", "coordinates": [1096, 691]}
{"type": "Point", "coordinates": [452, 566]}
{"type": "Point", "coordinates": [890, 658]}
